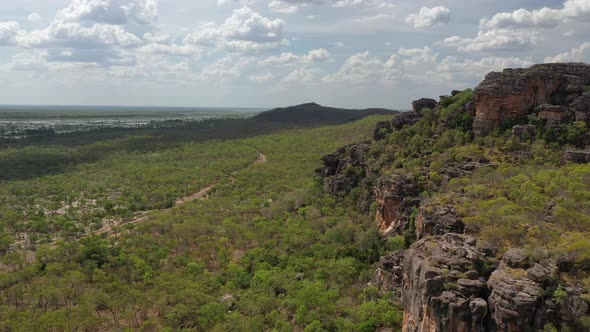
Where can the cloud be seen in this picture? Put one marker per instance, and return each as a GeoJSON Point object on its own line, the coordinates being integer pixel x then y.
{"type": "Point", "coordinates": [520, 29]}
{"type": "Point", "coordinates": [301, 75]}
{"type": "Point", "coordinates": [361, 68]}
{"type": "Point", "coordinates": [261, 78]}
{"type": "Point", "coordinates": [574, 55]}
{"type": "Point", "coordinates": [118, 12]}
{"type": "Point", "coordinates": [417, 65]}
{"type": "Point", "coordinates": [8, 32]}
{"type": "Point", "coordinates": [244, 31]}
{"type": "Point", "coordinates": [494, 41]}
{"type": "Point", "coordinates": [34, 17]}
{"type": "Point", "coordinates": [313, 56]}
{"type": "Point", "coordinates": [573, 10]}
{"type": "Point", "coordinates": [428, 17]}
{"type": "Point", "coordinates": [456, 69]}
{"type": "Point", "coordinates": [75, 35]}
{"type": "Point", "coordinates": [293, 6]}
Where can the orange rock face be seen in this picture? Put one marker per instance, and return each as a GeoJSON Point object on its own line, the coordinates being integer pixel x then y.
{"type": "Point", "coordinates": [514, 93]}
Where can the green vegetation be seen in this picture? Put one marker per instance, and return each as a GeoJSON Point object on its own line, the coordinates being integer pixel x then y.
{"type": "Point", "coordinates": [268, 250]}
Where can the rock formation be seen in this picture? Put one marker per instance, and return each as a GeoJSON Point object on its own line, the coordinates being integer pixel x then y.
{"type": "Point", "coordinates": [418, 105]}
{"type": "Point", "coordinates": [452, 283]}
{"type": "Point", "coordinates": [437, 220]}
{"type": "Point", "coordinates": [514, 93]}
{"type": "Point", "coordinates": [396, 195]}
{"type": "Point", "coordinates": [447, 280]}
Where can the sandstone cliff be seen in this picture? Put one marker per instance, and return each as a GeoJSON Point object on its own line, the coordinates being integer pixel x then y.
{"type": "Point", "coordinates": [447, 280]}
{"type": "Point", "coordinates": [514, 93]}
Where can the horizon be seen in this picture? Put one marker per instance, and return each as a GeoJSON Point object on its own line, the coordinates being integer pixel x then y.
{"type": "Point", "coordinates": [341, 53]}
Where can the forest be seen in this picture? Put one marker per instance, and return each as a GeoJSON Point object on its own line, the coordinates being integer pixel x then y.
{"type": "Point", "coordinates": [265, 249]}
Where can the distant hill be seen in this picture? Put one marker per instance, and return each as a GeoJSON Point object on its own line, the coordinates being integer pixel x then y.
{"type": "Point", "coordinates": [312, 113]}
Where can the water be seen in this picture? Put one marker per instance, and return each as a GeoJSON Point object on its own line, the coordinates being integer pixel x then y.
{"type": "Point", "coordinates": [19, 121]}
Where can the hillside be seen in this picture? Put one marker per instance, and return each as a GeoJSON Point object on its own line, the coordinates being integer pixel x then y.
{"type": "Point", "coordinates": [484, 195]}
{"type": "Point", "coordinates": [312, 113]}
{"type": "Point", "coordinates": [468, 213]}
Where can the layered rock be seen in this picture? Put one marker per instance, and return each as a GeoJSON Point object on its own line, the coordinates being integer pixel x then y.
{"type": "Point", "coordinates": [514, 93]}
{"type": "Point", "coordinates": [396, 195]}
{"type": "Point", "coordinates": [452, 283]}
{"type": "Point", "coordinates": [441, 289]}
{"type": "Point", "coordinates": [554, 115]}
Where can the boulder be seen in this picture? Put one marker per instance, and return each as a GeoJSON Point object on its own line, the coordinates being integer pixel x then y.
{"type": "Point", "coordinates": [418, 105]}
{"type": "Point", "coordinates": [403, 119]}
{"type": "Point", "coordinates": [382, 129]}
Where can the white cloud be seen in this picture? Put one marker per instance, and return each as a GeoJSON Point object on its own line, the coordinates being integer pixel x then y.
{"type": "Point", "coordinates": [455, 69]}
{"type": "Point", "coordinates": [262, 78]}
{"type": "Point", "coordinates": [8, 30]}
{"type": "Point", "coordinates": [576, 54]}
{"type": "Point", "coordinates": [418, 65]}
{"type": "Point", "coordinates": [301, 75]}
{"type": "Point", "coordinates": [293, 6]}
{"type": "Point", "coordinates": [62, 34]}
{"type": "Point", "coordinates": [361, 68]}
{"type": "Point", "coordinates": [573, 10]}
{"type": "Point", "coordinates": [111, 11]}
{"type": "Point", "coordinates": [34, 17]}
{"type": "Point", "coordinates": [313, 56]}
{"type": "Point", "coordinates": [494, 40]}
{"type": "Point", "coordinates": [428, 17]}
{"type": "Point", "coordinates": [244, 31]}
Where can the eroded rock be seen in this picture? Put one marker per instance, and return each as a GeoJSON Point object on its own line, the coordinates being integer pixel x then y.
{"type": "Point", "coordinates": [418, 105]}
{"type": "Point", "coordinates": [513, 93]}
{"type": "Point", "coordinates": [396, 195]}
{"type": "Point", "coordinates": [437, 220]}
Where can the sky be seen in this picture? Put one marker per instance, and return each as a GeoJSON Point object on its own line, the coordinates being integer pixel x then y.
{"type": "Point", "coordinates": [254, 53]}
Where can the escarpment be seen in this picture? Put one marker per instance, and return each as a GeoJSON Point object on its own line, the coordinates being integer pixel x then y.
{"type": "Point", "coordinates": [513, 94]}
{"type": "Point", "coordinates": [448, 279]}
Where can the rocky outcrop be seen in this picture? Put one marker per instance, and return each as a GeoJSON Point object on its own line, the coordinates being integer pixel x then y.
{"type": "Point", "coordinates": [576, 156]}
{"type": "Point", "coordinates": [383, 128]}
{"type": "Point", "coordinates": [437, 220]}
{"type": "Point", "coordinates": [581, 108]}
{"type": "Point", "coordinates": [554, 115]}
{"type": "Point", "coordinates": [441, 287]}
{"type": "Point", "coordinates": [396, 195]}
{"type": "Point", "coordinates": [514, 93]}
{"type": "Point", "coordinates": [418, 105]}
{"type": "Point", "coordinates": [522, 130]}
{"type": "Point", "coordinates": [452, 283]}
{"type": "Point", "coordinates": [345, 169]}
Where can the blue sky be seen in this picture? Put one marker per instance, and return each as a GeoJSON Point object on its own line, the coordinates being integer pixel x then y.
{"type": "Point", "coordinates": [251, 53]}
